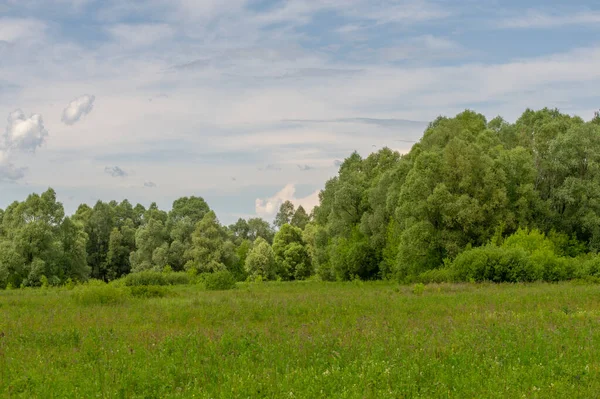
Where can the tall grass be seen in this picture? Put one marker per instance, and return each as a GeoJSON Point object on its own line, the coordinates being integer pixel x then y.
{"type": "Point", "coordinates": [305, 340]}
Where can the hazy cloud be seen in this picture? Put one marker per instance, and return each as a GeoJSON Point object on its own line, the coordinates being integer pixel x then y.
{"type": "Point", "coordinates": [271, 167]}
{"type": "Point", "coordinates": [305, 167]}
{"type": "Point", "coordinates": [537, 19]}
{"type": "Point", "coordinates": [78, 108]}
{"type": "Point", "coordinates": [24, 133]}
{"type": "Point", "coordinates": [140, 35]}
{"type": "Point", "coordinates": [383, 122]}
{"type": "Point", "coordinates": [149, 184]}
{"type": "Point", "coordinates": [115, 171]}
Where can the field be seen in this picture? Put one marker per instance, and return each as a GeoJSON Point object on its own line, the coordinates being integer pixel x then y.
{"type": "Point", "coordinates": [305, 340]}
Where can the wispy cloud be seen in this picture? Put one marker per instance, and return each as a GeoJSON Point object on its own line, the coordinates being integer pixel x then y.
{"type": "Point", "coordinates": [271, 167]}
{"type": "Point", "coordinates": [140, 35]}
{"type": "Point", "coordinates": [540, 19]}
{"type": "Point", "coordinates": [253, 88]}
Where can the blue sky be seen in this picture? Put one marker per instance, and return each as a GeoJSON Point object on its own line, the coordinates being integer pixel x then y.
{"type": "Point", "coordinates": [248, 103]}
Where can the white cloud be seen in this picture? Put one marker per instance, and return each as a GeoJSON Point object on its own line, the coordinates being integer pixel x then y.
{"type": "Point", "coordinates": [268, 208]}
{"type": "Point", "coordinates": [25, 133]}
{"type": "Point", "coordinates": [78, 108]}
{"type": "Point", "coordinates": [14, 29]}
{"type": "Point", "coordinates": [539, 19]}
{"type": "Point", "coordinates": [8, 171]}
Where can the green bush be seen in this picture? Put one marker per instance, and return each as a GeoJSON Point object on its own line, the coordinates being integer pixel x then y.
{"type": "Point", "coordinates": [156, 278]}
{"type": "Point", "coordinates": [222, 280]}
{"type": "Point", "coordinates": [554, 268]}
{"type": "Point", "coordinates": [99, 295]}
{"type": "Point", "coordinates": [148, 291]}
{"type": "Point", "coordinates": [418, 289]}
{"type": "Point", "coordinates": [497, 264]}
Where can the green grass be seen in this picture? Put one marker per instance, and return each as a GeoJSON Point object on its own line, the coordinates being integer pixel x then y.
{"type": "Point", "coordinates": [305, 340]}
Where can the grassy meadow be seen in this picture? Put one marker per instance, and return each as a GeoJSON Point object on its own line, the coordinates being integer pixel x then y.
{"type": "Point", "coordinates": [303, 340]}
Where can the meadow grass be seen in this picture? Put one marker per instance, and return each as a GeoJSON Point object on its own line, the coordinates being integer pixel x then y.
{"type": "Point", "coordinates": [305, 340]}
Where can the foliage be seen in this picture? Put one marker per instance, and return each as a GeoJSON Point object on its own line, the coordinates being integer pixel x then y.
{"type": "Point", "coordinates": [261, 261]}
{"type": "Point", "coordinates": [532, 186]}
{"type": "Point", "coordinates": [218, 281]}
{"type": "Point", "coordinates": [37, 240]}
{"type": "Point", "coordinates": [291, 255]}
{"type": "Point", "coordinates": [209, 251]}
{"type": "Point", "coordinates": [156, 278]}
{"type": "Point", "coordinates": [96, 294]}
{"type": "Point", "coordinates": [285, 214]}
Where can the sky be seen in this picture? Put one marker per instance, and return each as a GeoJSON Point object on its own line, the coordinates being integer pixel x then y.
{"type": "Point", "coordinates": [248, 103]}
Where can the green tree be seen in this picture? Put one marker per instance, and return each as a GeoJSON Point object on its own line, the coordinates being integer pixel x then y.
{"type": "Point", "coordinates": [291, 255]}
{"type": "Point", "coordinates": [300, 218]}
{"type": "Point", "coordinates": [208, 252]}
{"type": "Point", "coordinates": [149, 239]}
{"type": "Point", "coordinates": [261, 261]}
{"type": "Point", "coordinates": [39, 243]}
{"type": "Point", "coordinates": [194, 208]}
{"type": "Point", "coordinates": [284, 215]}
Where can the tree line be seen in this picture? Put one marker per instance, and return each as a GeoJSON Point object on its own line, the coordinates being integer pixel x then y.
{"type": "Point", "coordinates": [468, 193]}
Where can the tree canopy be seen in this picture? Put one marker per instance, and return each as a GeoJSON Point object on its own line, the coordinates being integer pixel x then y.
{"type": "Point", "coordinates": [468, 184]}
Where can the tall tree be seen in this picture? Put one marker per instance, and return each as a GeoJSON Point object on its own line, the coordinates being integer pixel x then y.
{"type": "Point", "coordinates": [261, 261]}
{"type": "Point", "coordinates": [300, 218]}
{"type": "Point", "coordinates": [284, 215]}
{"type": "Point", "coordinates": [291, 255]}
{"type": "Point", "coordinates": [210, 251]}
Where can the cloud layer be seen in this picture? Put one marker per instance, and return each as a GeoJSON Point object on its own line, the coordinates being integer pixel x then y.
{"type": "Point", "coordinates": [235, 100]}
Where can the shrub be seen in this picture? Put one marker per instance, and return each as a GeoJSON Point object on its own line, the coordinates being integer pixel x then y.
{"type": "Point", "coordinates": [418, 289]}
{"type": "Point", "coordinates": [497, 264]}
{"type": "Point", "coordinates": [156, 278]}
{"type": "Point", "coordinates": [222, 280]}
{"type": "Point", "coordinates": [148, 291]}
{"type": "Point", "coordinates": [553, 268]}
{"type": "Point", "coordinates": [99, 295]}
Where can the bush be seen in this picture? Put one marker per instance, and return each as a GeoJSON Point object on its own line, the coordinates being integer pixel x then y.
{"type": "Point", "coordinates": [99, 295]}
{"type": "Point", "coordinates": [222, 280]}
{"type": "Point", "coordinates": [554, 268]}
{"type": "Point", "coordinates": [418, 289]}
{"type": "Point", "coordinates": [497, 264]}
{"type": "Point", "coordinates": [148, 291]}
{"type": "Point", "coordinates": [156, 278]}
